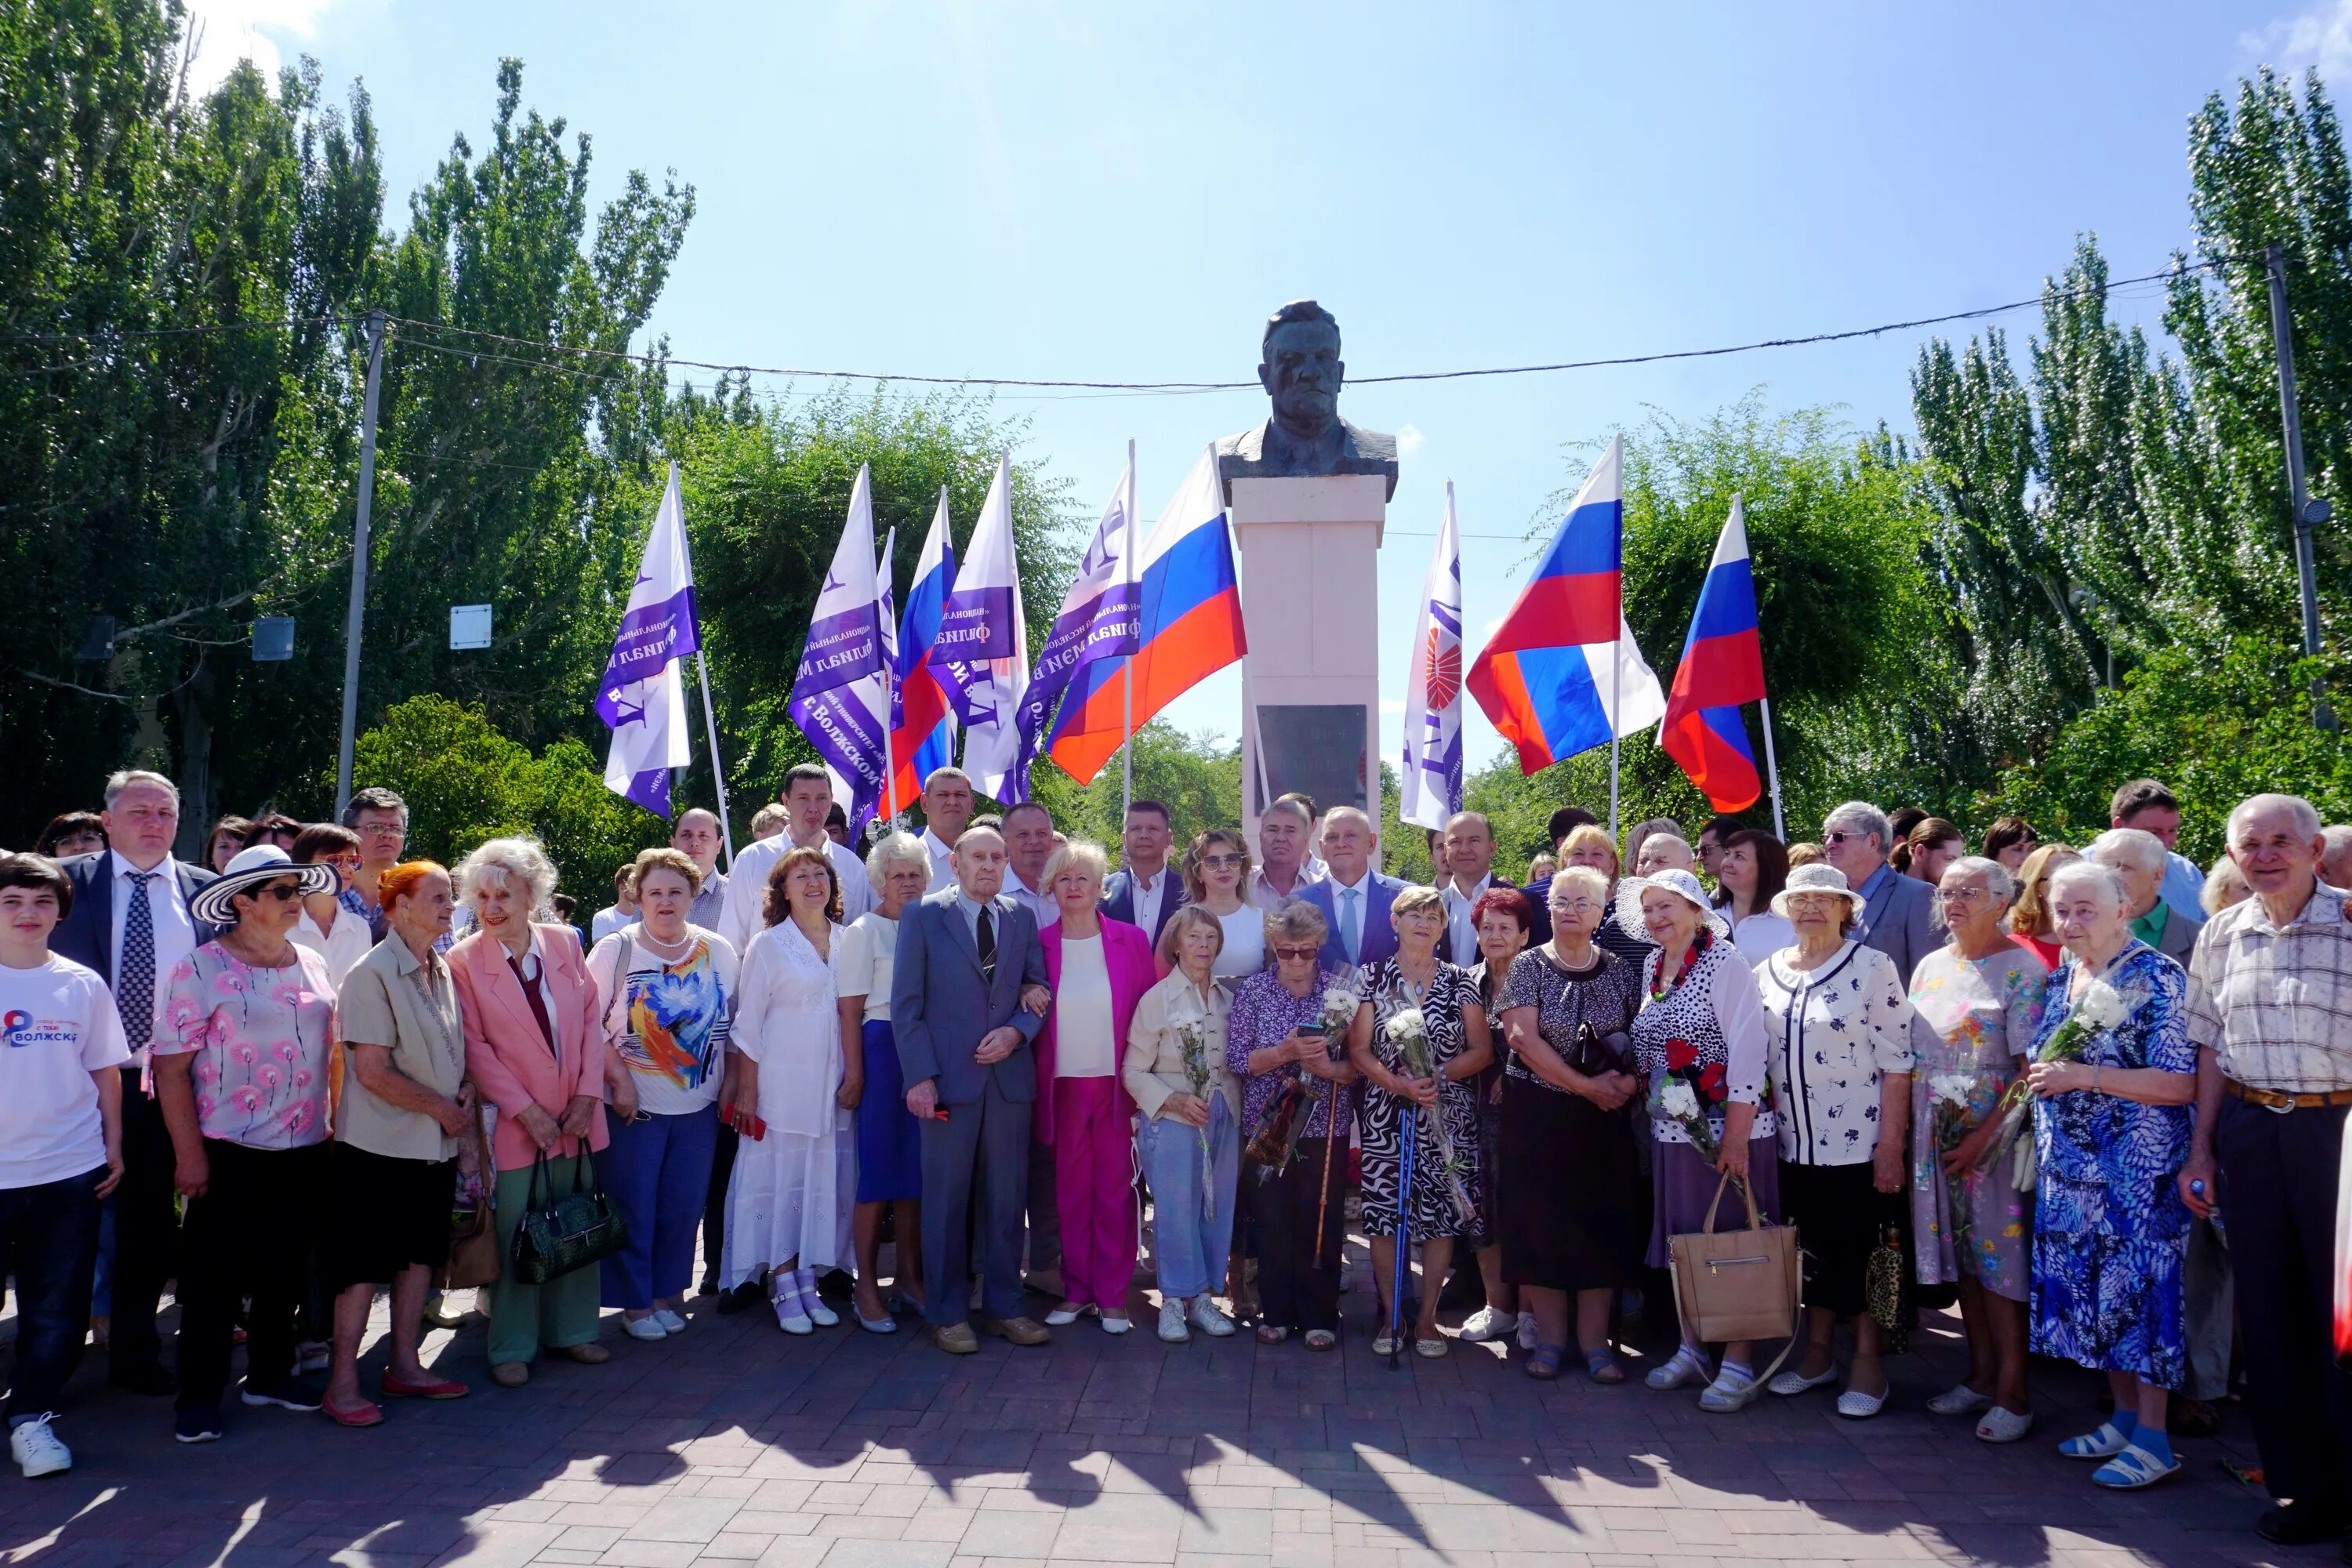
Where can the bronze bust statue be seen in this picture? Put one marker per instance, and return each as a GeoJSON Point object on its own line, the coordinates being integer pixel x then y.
{"type": "Point", "coordinates": [1302, 372]}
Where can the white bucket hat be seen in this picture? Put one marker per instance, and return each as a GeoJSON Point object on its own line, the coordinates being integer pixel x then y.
{"type": "Point", "coordinates": [1818, 877]}
{"type": "Point", "coordinates": [254, 867]}
{"type": "Point", "coordinates": [1682, 884]}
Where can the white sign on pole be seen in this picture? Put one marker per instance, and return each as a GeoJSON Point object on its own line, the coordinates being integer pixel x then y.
{"type": "Point", "coordinates": [469, 626]}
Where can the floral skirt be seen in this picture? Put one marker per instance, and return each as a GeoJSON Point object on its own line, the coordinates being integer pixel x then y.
{"type": "Point", "coordinates": [2111, 1303]}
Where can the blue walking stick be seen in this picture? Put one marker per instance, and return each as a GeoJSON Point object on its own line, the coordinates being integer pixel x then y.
{"type": "Point", "coordinates": [1403, 1238]}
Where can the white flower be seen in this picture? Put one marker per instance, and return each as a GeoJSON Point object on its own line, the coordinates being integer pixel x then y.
{"type": "Point", "coordinates": [1952, 1088]}
{"type": "Point", "coordinates": [1408, 1025]}
{"type": "Point", "coordinates": [1339, 1005]}
{"type": "Point", "coordinates": [2101, 1006]}
{"type": "Point", "coordinates": [1679, 1100]}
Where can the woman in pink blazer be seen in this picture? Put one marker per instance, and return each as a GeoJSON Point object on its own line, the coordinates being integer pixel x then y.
{"type": "Point", "coordinates": [533, 1049]}
{"type": "Point", "coordinates": [1099, 969]}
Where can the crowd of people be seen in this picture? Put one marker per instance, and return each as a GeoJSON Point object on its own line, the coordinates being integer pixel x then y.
{"type": "Point", "coordinates": [2031, 1081]}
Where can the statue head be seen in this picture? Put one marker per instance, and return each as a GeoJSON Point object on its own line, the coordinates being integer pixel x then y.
{"type": "Point", "coordinates": [1301, 368]}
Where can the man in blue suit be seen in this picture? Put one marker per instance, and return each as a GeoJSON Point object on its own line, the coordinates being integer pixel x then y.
{"type": "Point", "coordinates": [964, 955]}
{"type": "Point", "coordinates": [1899, 912]}
{"type": "Point", "coordinates": [1354, 897]}
{"type": "Point", "coordinates": [130, 923]}
{"type": "Point", "coordinates": [1143, 891]}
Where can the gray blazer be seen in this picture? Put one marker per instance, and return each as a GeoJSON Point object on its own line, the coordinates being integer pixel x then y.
{"type": "Point", "coordinates": [1898, 919]}
{"type": "Point", "coordinates": [941, 1007]}
{"type": "Point", "coordinates": [2180, 938]}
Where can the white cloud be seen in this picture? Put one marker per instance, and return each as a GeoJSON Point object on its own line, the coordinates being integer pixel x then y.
{"type": "Point", "coordinates": [2319, 35]}
{"type": "Point", "coordinates": [1409, 440]}
{"type": "Point", "coordinates": [228, 31]}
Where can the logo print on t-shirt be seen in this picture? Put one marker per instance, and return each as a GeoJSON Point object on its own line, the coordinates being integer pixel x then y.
{"type": "Point", "coordinates": [15, 1027]}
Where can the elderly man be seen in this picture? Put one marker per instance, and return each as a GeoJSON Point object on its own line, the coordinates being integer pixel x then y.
{"type": "Point", "coordinates": [1283, 834]}
{"type": "Point", "coordinates": [2336, 865]}
{"type": "Point", "coordinates": [2149, 806]}
{"type": "Point", "coordinates": [1470, 871]}
{"type": "Point", "coordinates": [1354, 898]}
{"type": "Point", "coordinates": [947, 812]}
{"type": "Point", "coordinates": [1662, 851]}
{"type": "Point", "coordinates": [381, 819]}
{"type": "Point", "coordinates": [1143, 891]}
{"type": "Point", "coordinates": [2270, 1009]}
{"type": "Point", "coordinates": [964, 953]}
{"type": "Point", "coordinates": [808, 795]}
{"type": "Point", "coordinates": [1898, 915]}
{"type": "Point", "coordinates": [1029, 839]}
{"type": "Point", "coordinates": [2140, 859]}
{"type": "Point", "coordinates": [130, 921]}
{"type": "Point", "coordinates": [694, 835]}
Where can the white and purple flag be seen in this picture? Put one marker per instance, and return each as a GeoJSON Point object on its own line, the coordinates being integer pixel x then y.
{"type": "Point", "coordinates": [837, 695]}
{"type": "Point", "coordinates": [642, 697]}
{"type": "Point", "coordinates": [982, 648]}
{"type": "Point", "coordinates": [1099, 620]}
{"type": "Point", "coordinates": [1429, 783]}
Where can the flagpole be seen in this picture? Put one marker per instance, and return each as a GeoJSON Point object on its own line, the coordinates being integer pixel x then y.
{"type": "Point", "coordinates": [1772, 769]}
{"type": "Point", "coordinates": [702, 666]}
{"type": "Point", "coordinates": [1616, 683]}
{"type": "Point", "coordinates": [1127, 666]}
{"type": "Point", "coordinates": [888, 646]}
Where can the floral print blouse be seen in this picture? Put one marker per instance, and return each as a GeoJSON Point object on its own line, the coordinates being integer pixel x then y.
{"type": "Point", "coordinates": [262, 1039]}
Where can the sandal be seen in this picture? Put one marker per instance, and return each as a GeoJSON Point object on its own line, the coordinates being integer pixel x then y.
{"type": "Point", "coordinates": [1272, 1333]}
{"type": "Point", "coordinates": [1543, 1365]}
{"type": "Point", "coordinates": [2001, 1425]}
{"type": "Point", "coordinates": [2103, 1443]}
{"type": "Point", "coordinates": [2132, 1468]}
{"type": "Point", "coordinates": [1430, 1349]}
{"type": "Point", "coordinates": [1602, 1366]}
{"type": "Point", "coordinates": [1321, 1339]}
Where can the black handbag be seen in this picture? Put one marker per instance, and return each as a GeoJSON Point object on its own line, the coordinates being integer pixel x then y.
{"type": "Point", "coordinates": [559, 1234]}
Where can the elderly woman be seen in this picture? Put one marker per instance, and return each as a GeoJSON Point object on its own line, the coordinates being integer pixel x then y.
{"type": "Point", "coordinates": [1217, 876]}
{"type": "Point", "coordinates": [2029, 918]}
{"type": "Point", "coordinates": [890, 1139]}
{"type": "Point", "coordinates": [1975, 1003]}
{"type": "Point", "coordinates": [1702, 1027]}
{"type": "Point", "coordinates": [1567, 1184]}
{"type": "Point", "coordinates": [1420, 1039]}
{"type": "Point", "coordinates": [246, 1025]}
{"type": "Point", "coordinates": [2110, 1230]}
{"type": "Point", "coordinates": [406, 1106]}
{"type": "Point", "coordinates": [1277, 1043]}
{"type": "Point", "coordinates": [2225, 887]}
{"type": "Point", "coordinates": [795, 1182]}
{"type": "Point", "coordinates": [666, 992]}
{"type": "Point", "coordinates": [1098, 970]}
{"type": "Point", "coordinates": [1189, 1143]}
{"type": "Point", "coordinates": [1749, 874]}
{"type": "Point", "coordinates": [1502, 917]}
{"type": "Point", "coordinates": [2010, 841]}
{"type": "Point", "coordinates": [534, 1048]}
{"type": "Point", "coordinates": [1838, 1028]}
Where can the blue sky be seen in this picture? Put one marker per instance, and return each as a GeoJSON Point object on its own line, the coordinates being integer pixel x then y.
{"type": "Point", "coordinates": [1122, 191]}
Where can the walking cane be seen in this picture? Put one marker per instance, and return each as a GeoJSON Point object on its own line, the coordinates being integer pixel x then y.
{"type": "Point", "coordinates": [1323, 1193]}
{"type": "Point", "coordinates": [1403, 1237]}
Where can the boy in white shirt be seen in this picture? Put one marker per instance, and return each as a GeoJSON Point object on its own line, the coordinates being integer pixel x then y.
{"type": "Point", "coordinates": [61, 1145]}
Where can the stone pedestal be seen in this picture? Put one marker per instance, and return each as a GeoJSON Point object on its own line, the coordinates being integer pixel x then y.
{"type": "Point", "coordinates": [1310, 600]}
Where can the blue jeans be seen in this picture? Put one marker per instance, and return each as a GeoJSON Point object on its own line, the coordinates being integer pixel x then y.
{"type": "Point", "coordinates": [1189, 1245]}
{"type": "Point", "coordinates": [48, 1240]}
{"type": "Point", "coordinates": [658, 1171]}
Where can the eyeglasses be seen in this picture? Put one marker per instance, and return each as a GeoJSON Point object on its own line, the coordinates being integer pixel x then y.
{"type": "Point", "coordinates": [1220, 862]}
{"type": "Point", "coordinates": [1841, 836]}
{"type": "Point", "coordinates": [382, 830]}
{"type": "Point", "coordinates": [1963, 895]}
{"type": "Point", "coordinates": [281, 891]}
{"type": "Point", "coordinates": [1295, 954]}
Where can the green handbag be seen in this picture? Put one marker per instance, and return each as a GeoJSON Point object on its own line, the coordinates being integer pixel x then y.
{"type": "Point", "coordinates": [559, 1234]}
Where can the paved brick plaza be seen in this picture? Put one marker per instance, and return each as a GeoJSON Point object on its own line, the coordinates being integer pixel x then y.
{"type": "Point", "coordinates": [738, 1446]}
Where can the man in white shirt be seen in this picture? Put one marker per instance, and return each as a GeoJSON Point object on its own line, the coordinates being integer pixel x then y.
{"type": "Point", "coordinates": [1470, 866]}
{"type": "Point", "coordinates": [61, 1145]}
{"type": "Point", "coordinates": [1282, 839]}
{"type": "Point", "coordinates": [808, 795]}
{"type": "Point", "coordinates": [694, 835]}
{"type": "Point", "coordinates": [129, 922]}
{"type": "Point", "coordinates": [1029, 831]}
{"type": "Point", "coordinates": [1143, 891]}
{"type": "Point", "coordinates": [947, 812]}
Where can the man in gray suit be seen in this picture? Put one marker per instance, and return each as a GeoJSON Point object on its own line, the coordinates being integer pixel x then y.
{"type": "Point", "coordinates": [2141, 860]}
{"type": "Point", "coordinates": [964, 954]}
{"type": "Point", "coordinates": [1899, 912]}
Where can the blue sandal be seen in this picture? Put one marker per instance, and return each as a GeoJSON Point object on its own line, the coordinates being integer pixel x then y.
{"type": "Point", "coordinates": [1602, 1366]}
{"type": "Point", "coordinates": [1543, 1366]}
{"type": "Point", "coordinates": [2132, 1468]}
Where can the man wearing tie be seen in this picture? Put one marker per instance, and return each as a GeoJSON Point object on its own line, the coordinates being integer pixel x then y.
{"type": "Point", "coordinates": [130, 923]}
{"type": "Point", "coordinates": [1354, 897]}
{"type": "Point", "coordinates": [1142, 891]}
{"type": "Point", "coordinates": [964, 954]}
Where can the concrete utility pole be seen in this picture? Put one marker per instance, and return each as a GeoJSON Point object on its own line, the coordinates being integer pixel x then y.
{"type": "Point", "coordinates": [375, 329]}
{"type": "Point", "coordinates": [2307, 511]}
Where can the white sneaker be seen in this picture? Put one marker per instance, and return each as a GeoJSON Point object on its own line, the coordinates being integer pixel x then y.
{"type": "Point", "coordinates": [648, 1327]}
{"type": "Point", "coordinates": [1529, 1336]}
{"type": "Point", "coordinates": [1172, 1321]}
{"type": "Point", "coordinates": [669, 1320]}
{"type": "Point", "coordinates": [1486, 1323]}
{"type": "Point", "coordinates": [36, 1449]}
{"type": "Point", "coordinates": [1209, 1319]}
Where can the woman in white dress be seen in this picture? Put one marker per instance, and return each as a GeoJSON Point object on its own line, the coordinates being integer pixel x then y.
{"type": "Point", "coordinates": [1216, 871]}
{"type": "Point", "coordinates": [789, 1203]}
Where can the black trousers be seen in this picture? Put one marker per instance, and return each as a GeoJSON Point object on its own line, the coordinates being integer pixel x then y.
{"type": "Point", "coordinates": [146, 1232]}
{"type": "Point", "coordinates": [2278, 1202]}
{"type": "Point", "coordinates": [714, 1206]}
{"type": "Point", "coordinates": [243, 1238]}
{"type": "Point", "coordinates": [1295, 1290]}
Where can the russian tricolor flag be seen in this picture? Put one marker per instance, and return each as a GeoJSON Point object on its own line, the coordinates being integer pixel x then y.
{"type": "Point", "coordinates": [1561, 673]}
{"type": "Point", "coordinates": [1722, 666]}
{"type": "Point", "coordinates": [1192, 627]}
{"type": "Point", "coordinates": [921, 738]}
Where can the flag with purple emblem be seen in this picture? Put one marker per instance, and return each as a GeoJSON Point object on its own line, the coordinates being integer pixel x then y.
{"type": "Point", "coordinates": [642, 697]}
{"type": "Point", "coordinates": [837, 694]}
{"type": "Point", "coordinates": [1430, 783]}
{"type": "Point", "coordinates": [1098, 620]}
{"type": "Point", "coordinates": [981, 653]}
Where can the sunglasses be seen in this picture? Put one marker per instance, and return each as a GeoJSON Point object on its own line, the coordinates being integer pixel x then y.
{"type": "Point", "coordinates": [278, 890]}
{"type": "Point", "coordinates": [1220, 862]}
{"type": "Point", "coordinates": [1295, 955]}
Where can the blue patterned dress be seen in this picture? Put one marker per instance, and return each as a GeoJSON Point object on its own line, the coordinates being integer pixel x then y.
{"type": "Point", "coordinates": [2109, 1228]}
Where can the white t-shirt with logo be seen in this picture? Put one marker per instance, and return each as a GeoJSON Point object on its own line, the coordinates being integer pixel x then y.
{"type": "Point", "coordinates": [58, 1026]}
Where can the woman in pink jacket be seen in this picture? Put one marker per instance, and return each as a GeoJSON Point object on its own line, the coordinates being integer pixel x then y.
{"type": "Point", "coordinates": [1099, 969]}
{"type": "Point", "coordinates": [534, 1049]}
